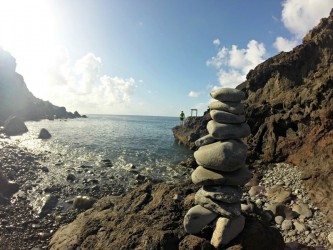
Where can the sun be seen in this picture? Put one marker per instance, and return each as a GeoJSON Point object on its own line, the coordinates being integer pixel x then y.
{"type": "Point", "coordinates": [28, 32]}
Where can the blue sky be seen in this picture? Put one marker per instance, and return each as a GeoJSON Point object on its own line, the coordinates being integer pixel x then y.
{"type": "Point", "coordinates": [145, 57]}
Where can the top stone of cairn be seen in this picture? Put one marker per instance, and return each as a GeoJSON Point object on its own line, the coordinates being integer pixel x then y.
{"type": "Point", "coordinates": [227, 95]}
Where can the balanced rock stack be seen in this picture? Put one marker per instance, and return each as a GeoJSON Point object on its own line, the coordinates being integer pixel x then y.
{"type": "Point", "coordinates": [222, 171]}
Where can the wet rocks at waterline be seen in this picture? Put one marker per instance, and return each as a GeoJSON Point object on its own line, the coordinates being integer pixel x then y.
{"type": "Point", "coordinates": [221, 158]}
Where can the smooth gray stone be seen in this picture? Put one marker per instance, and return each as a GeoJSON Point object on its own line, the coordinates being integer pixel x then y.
{"type": "Point", "coordinates": [224, 156]}
{"type": "Point", "coordinates": [197, 218]}
{"type": "Point", "coordinates": [224, 209]}
{"type": "Point", "coordinates": [228, 194]}
{"type": "Point", "coordinates": [204, 176]}
{"type": "Point", "coordinates": [226, 117]}
{"type": "Point", "coordinates": [226, 230]}
{"type": "Point", "coordinates": [232, 107]}
{"type": "Point", "coordinates": [222, 131]}
{"type": "Point", "coordinates": [205, 140]}
{"type": "Point", "coordinates": [227, 95]}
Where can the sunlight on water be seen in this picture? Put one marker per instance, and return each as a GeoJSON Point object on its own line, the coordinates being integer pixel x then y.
{"type": "Point", "coordinates": [145, 142]}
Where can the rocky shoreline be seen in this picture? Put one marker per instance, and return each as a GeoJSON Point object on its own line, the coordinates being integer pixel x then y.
{"type": "Point", "coordinates": [21, 228]}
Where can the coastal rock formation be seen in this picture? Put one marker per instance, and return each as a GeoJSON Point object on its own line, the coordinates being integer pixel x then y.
{"type": "Point", "coordinates": [151, 218]}
{"type": "Point", "coordinates": [16, 99]}
{"type": "Point", "coordinates": [193, 129]}
{"type": "Point", "coordinates": [290, 111]}
{"type": "Point", "coordinates": [226, 155]}
{"type": "Point", "coordinates": [289, 100]}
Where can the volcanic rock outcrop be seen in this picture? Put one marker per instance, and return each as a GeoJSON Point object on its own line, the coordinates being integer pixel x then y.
{"type": "Point", "coordinates": [290, 111]}
{"type": "Point", "coordinates": [221, 158]}
{"type": "Point", "coordinates": [17, 100]}
{"type": "Point", "coordinates": [289, 107]}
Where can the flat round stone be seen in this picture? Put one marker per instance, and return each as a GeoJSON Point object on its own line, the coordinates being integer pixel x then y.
{"type": "Point", "coordinates": [226, 117]}
{"type": "Point", "coordinates": [205, 140]}
{"type": "Point", "coordinates": [231, 107]}
{"type": "Point", "coordinates": [197, 218]}
{"type": "Point", "coordinates": [228, 210]}
{"type": "Point", "coordinates": [226, 156]}
{"type": "Point", "coordinates": [221, 131]}
{"type": "Point", "coordinates": [227, 95]}
{"type": "Point", "coordinates": [204, 176]}
{"type": "Point", "coordinates": [228, 194]}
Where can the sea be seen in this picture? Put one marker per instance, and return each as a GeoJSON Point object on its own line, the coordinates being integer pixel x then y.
{"type": "Point", "coordinates": [134, 145]}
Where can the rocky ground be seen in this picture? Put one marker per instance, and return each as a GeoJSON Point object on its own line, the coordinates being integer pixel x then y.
{"type": "Point", "coordinates": [22, 228]}
{"type": "Point", "coordinates": [278, 190]}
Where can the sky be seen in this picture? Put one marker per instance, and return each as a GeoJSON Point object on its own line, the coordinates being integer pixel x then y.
{"type": "Point", "coordinates": [147, 57]}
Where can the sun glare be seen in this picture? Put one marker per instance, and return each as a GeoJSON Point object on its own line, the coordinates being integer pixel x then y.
{"type": "Point", "coordinates": [28, 31]}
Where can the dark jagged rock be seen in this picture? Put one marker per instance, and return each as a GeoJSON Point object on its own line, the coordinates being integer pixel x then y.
{"type": "Point", "coordinates": [289, 103]}
{"type": "Point", "coordinates": [150, 218]}
{"type": "Point", "coordinates": [193, 129]}
{"type": "Point", "coordinates": [44, 134]}
{"type": "Point", "coordinates": [16, 99]}
{"type": "Point", "coordinates": [14, 126]}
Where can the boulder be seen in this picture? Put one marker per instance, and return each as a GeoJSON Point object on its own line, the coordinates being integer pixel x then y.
{"type": "Point", "coordinates": [227, 95]}
{"type": "Point", "coordinates": [226, 230]}
{"type": "Point", "coordinates": [231, 107]}
{"type": "Point", "coordinates": [205, 140]}
{"type": "Point", "coordinates": [44, 204]}
{"type": "Point", "coordinates": [225, 156]}
{"type": "Point", "coordinates": [83, 202]}
{"type": "Point", "coordinates": [14, 126]}
{"type": "Point", "coordinates": [197, 218]}
{"type": "Point", "coordinates": [221, 131]}
{"type": "Point", "coordinates": [44, 134]}
{"type": "Point", "coordinates": [224, 209]}
{"type": "Point", "coordinates": [228, 194]}
{"type": "Point", "coordinates": [203, 176]}
{"type": "Point", "coordinates": [226, 117]}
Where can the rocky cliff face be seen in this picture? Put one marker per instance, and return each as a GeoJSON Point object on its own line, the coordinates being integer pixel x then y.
{"type": "Point", "coordinates": [16, 99]}
{"type": "Point", "coordinates": [290, 110]}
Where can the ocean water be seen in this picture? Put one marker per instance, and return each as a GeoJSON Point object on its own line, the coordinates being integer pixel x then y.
{"type": "Point", "coordinates": [146, 142]}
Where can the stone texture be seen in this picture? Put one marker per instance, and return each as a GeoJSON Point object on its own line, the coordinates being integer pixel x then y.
{"type": "Point", "coordinates": [222, 131]}
{"type": "Point", "coordinates": [231, 107]}
{"type": "Point", "coordinates": [255, 190]}
{"type": "Point", "coordinates": [226, 230]}
{"type": "Point", "coordinates": [192, 242]}
{"type": "Point", "coordinates": [224, 209]}
{"type": "Point", "coordinates": [330, 238]}
{"type": "Point", "coordinates": [197, 218]}
{"type": "Point", "coordinates": [279, 209]}
{"type": "Point", "coordinates": [205, 140]}
{"type": "Point", "coordinates": [287, 225]}
{"type": "Point", "coordinates": [203, 176]}
{"type": "Point", "coordinates": [222, 156]}
{"type": "Point", "coordinates": [228, 194]}
{"type": "Point", "coordinates": [226, 117]}
{"type": "Point", "coordinates": [302, 209]}
{"type": "Point", "coordinates": [277, 194]}
{"type": "Point", "coordinates": [227, 95]}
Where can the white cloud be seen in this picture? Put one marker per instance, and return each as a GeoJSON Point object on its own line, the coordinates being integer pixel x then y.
{"type": "Point", "coordinates": [80, 86]}
{"type": "Point", "coordinates": [217, 42]}
{"type": "Point", "coordinates": [193, 94]}
{"type": "Point", "coordinates": [283, 44]}
{"type": "Point", "coordinates": [234, 63]}
{"type": "Point", "coordinates": [299, 16]}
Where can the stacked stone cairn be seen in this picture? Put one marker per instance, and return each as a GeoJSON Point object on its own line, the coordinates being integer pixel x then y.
{"type": "Point", "coordinates": [222, 171]}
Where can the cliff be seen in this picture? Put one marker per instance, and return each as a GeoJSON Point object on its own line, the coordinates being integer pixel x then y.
{"type": "Point", "coordinates": [289, 105]}
{"type": "Point", "coordinates": [290, 111]}
{"type": "Point", "coordinates": [16, 99]}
